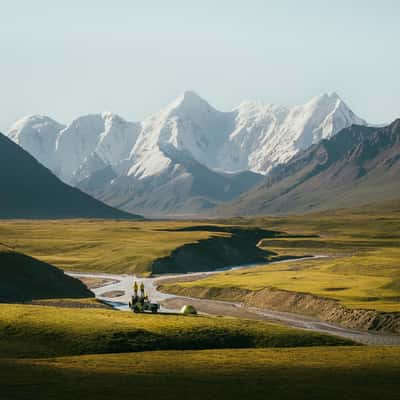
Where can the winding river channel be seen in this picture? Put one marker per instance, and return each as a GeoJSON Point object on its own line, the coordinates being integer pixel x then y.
{"type": "Point", "coordinates": [122, 286]}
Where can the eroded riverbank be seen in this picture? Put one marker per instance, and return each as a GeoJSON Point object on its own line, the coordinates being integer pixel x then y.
{"type": "Point", "coordinates": [173, 302]}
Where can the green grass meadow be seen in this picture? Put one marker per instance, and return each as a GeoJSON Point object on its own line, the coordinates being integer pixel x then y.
{"type": "Point", "coordinates": [98, 245]}
{"type": "Point", "coordinates": [50, 352]}
{"type": "Point", "coordinates": [40, 331]}
{"type": "Point", "coordinates": [363, 267]}
{"type": "Point", "coordinates": [62, 353]}
{"type": "Point", "coordinates": [349, 373]}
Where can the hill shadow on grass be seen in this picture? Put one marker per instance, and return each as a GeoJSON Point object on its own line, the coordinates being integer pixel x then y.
{"type": "Point", "coordinates": [25, 278]}
{"type": "Point", "coordinates": [238, 247]}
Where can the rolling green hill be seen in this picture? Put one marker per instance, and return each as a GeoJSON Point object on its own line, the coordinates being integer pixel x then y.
{"type": "Point", "coordinates": [25, 331]}
{"type": "Point", "coordinates": [24, 278]}
{"type": "Point", "coordinates": [329, 373]}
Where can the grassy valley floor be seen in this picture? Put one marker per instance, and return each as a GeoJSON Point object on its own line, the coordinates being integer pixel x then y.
{"type": "Point", "coordinates": [50, 353]}
{"type": "Point", "coordinates": [362, 271]}
{"type": "Point", "coordinates": [97, 245]}
{"type": "Point", "coordinates": [138, 247]}
{"type": "Point", "coordinates": [296, 373]}
{"type": "Point", "coordinates": [41, 331]}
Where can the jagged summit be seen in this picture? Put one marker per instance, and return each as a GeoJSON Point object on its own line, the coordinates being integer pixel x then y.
{"type": "Point", "coordinates": [360, 164]}
{"type": "Point", "coordinates": [329, 100]}
{"type": "Point", "coordinates": [38, 135]}
{"type": "Point", "coordinates": [333, 96]}
{"type": "Point", "coordinates": [252, 137]}
{"type": "Point", "coordinates": [191, 96]}
{"type": "Point", "coordinates": [33, 124]}
{"type": "Point", "coordinates": [189, 102]}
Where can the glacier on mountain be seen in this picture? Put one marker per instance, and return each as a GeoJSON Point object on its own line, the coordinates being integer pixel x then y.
{"type": "Point", "coordinates": [251, 137]}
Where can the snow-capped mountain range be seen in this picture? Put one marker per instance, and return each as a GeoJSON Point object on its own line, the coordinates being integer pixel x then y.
{"type": "Point", "coordinates": [103, 153]}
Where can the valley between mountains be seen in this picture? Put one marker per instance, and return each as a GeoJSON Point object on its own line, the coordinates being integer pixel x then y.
{"type": "Point", "coordinates": [200, 200]}
{"type": "Point", "coordinates": [303, 200]}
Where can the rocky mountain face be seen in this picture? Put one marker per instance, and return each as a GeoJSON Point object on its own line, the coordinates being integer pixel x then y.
{"type": "Point", "coordinates": [182, 189]}
{"type": "Point", "coordinates": [158, 166]}
{"type": "Point", "coordinates": [29, 190]}
{"type": "Point", "coordinates": [358, 165]}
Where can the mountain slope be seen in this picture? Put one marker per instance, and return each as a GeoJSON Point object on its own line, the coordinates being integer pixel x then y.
{"type": "Point", "coordinates": [251, 137]}
{"type": "Point", "coordinates": [270, 135]}
{"type": "Point", "coordinates": [357, 166]}
{"type": "Point", "coordinates": [127, 164]}
{"type": "Point", "coordinates": [29, 190]}
{"type": "Point", "coordinates": [38, 135]}
{"type": "Point", "coordinates": [184, 187]}
{"type": "Point", "coordinates": [24, 278]}
{"type": "Point", "coordinates": [92, 141]}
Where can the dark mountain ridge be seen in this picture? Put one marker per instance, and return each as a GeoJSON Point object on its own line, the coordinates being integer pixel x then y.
{"type": "Point", "coordinates": [29, 190]}
{"type": "Point", "coordinates": [358, 165]}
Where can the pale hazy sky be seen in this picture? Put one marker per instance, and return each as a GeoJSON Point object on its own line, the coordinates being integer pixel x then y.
{"type": "Point", "coordinates": [66, 58]}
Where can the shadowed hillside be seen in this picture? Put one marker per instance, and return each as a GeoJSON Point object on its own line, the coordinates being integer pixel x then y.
{"type": "Point", "coordinates": [237, 246]}
{"type": "Point", "coordinates": [357, 166]}
{"type": "Point", "coordinates": [29, 190]}
{"type": "Point", "coordinates": [24, 278]}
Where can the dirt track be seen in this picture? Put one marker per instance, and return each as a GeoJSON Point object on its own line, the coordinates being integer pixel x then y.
{"type": "Point", "coordinates": [224, 308]}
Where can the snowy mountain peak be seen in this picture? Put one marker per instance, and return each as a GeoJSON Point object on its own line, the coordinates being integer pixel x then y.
{"type": "Point", "coordinates": [255, 109]}
{"type": "Point", "coordinates": [106, 137]}
{"type": "Point", "coordinates": [324, 100]}
{"type": "Point", "coordinates": [333, 94]}
{"type": "Point", "coordinates": [37, 134]}
{"type": "Point", "coordinates": [331, 102]}
{"type": "Point", "coordinates": [253, 136]}
{"type": "Point", "coordinates": [330, 95]}
{"type": "Point", "coordinates": [85, 124]}
{"type": "Point", "coordinates": [34, 124]}
{"type": "Point", "coordinates": [188, 103]}
{"type": "Point", "coordinates": [191, 95]}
